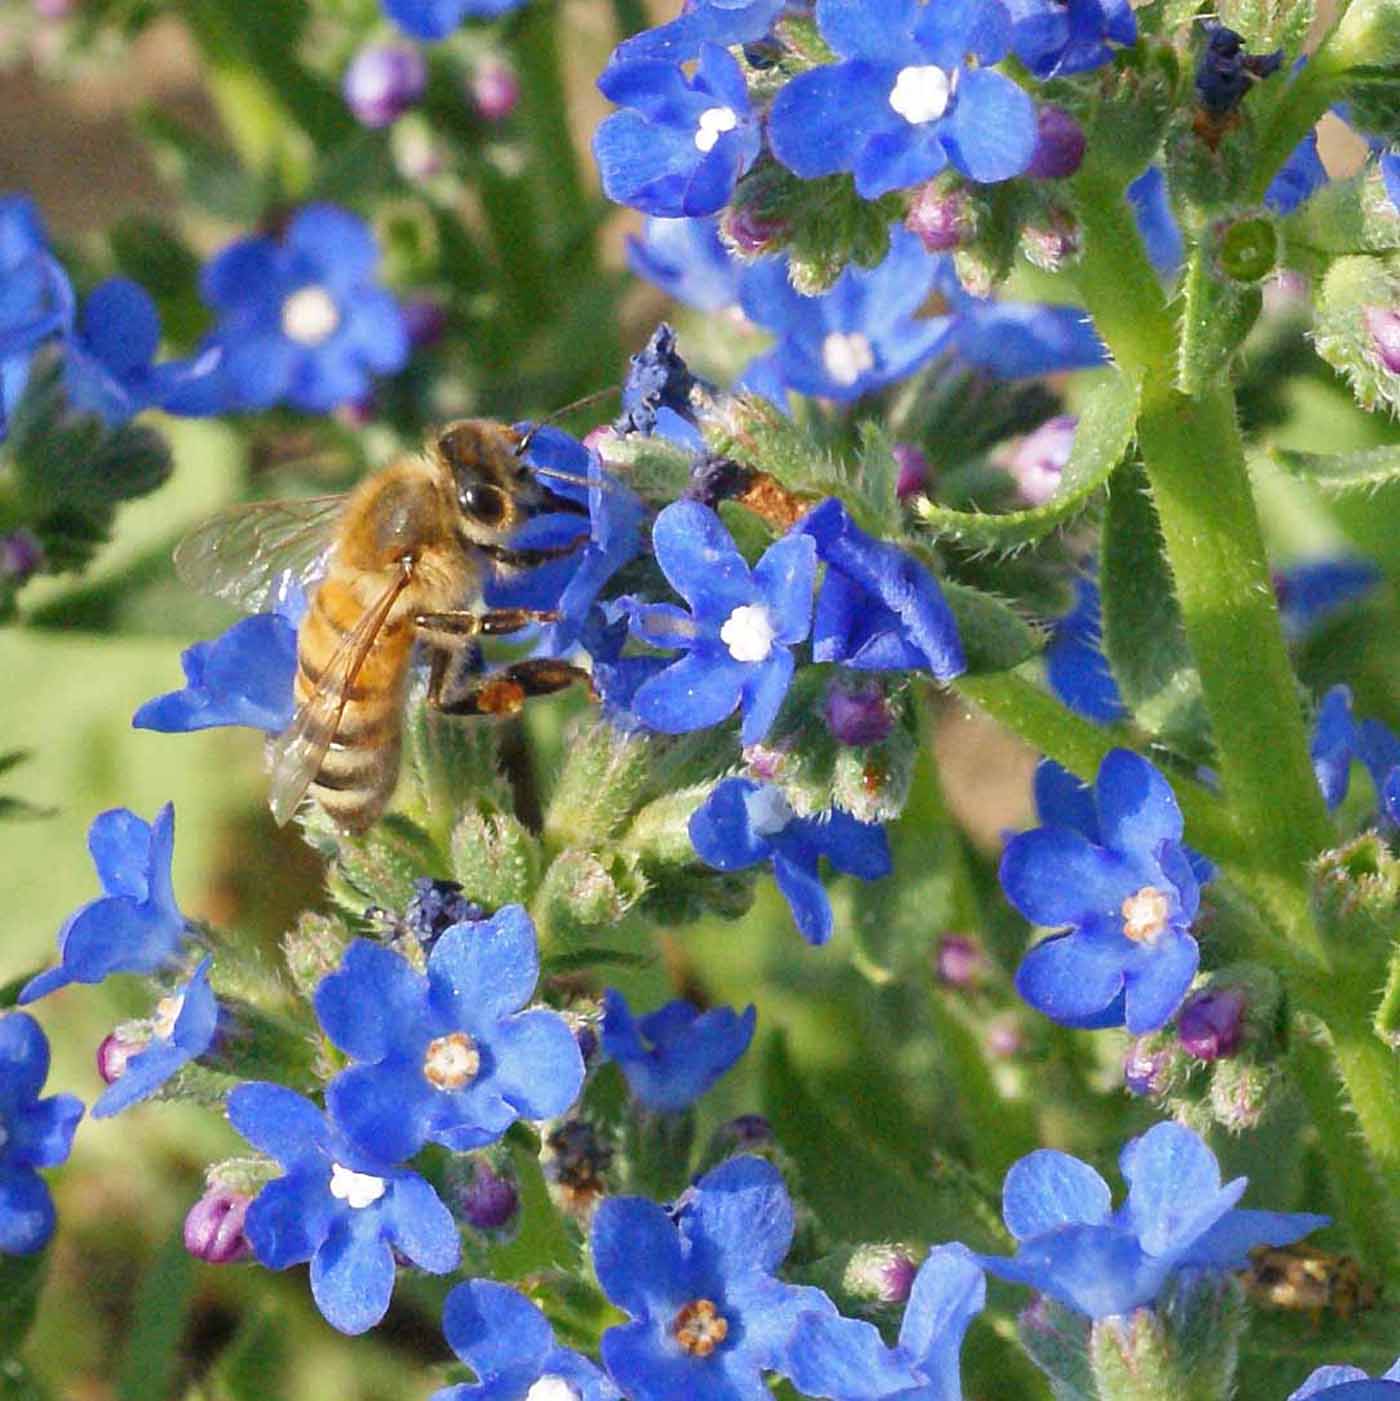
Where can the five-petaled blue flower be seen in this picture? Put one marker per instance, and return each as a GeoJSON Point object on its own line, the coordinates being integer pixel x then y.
{"type": "Point", "coordinates": [34, 1133]}
{"type": "Point", "coordinates": [344, 1210]}
{"type": "Point", "coordinates": [303, 321]}
{"type": "Point", "coordinates": [1344, 1383]}
{"type": "Point", "coordinates": [1074, 1247]}
{"type": "Point", "coordinates": [670, 1057]}
{"type": "Point", "coordinates": [1113, 868]}
{"type": "Point", "coordinates": [183, 1030]}
{"type": "Point", "coordinates": [244, 677]}
{"type": "Point", "coordinates": [680, 143]}
{"type": "Point", "coordinates": [510, 1346]}
{"type": "Point", "coordinates": [847, 1359]}
{"type": "Point", "coordinates": [436, 19]}
{"type": "Point", "coordinates": [879, 608]}
{"type": "Point", "coordinates": [739, 632]}
{"type": "Point", "coordinates": [1055, 38]}
{"type": "Point", "coordinates": [743, 823]}
{"type": "Point", "coordinates": [708, 1317]}
{"type": "Point", "coordinates": [1338, 738]}
{"type": "Point", "coordinates": [915, 92]}
{"type": "Point", "coordinates": [136, 926]}
{"type": "Point", "coordinates": [449, 1057]}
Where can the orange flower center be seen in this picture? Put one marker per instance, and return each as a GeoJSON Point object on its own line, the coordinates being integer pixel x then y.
{"type": "Point", "coordinates": [699, 1328]}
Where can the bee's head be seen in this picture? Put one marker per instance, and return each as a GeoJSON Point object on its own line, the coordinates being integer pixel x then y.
{"type": "Point", "coordinates": [491, 486]}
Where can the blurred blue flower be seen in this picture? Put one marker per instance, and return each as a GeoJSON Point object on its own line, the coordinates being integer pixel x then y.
{"type": "Point", "coordinates": [1099, 1262]}
{"type": "Point", "coordinates": [1075, 665]}
{"type": "Point", "coordinates": [1152, 209]}
{"type": "Point", "coordinates": [244, 677]}
{"type": "Point", "coordinates": [670, 1057]}
{"type": "Point", "coordinates": [1300, 177]}
{"type": "Point", "coordinates": [136, 926]}
{"type": "Point", "coordinates": [344, 1210]}
{"type": "Point", "coordinates": [701, 22]}
{"type": "Point", "coordinates": [687, 260]}
{"type": "Point", "coordinates": [1390, 175]}
{"type": "Point", "coordinates": [436, 19]}
{"type": "Point", "coordinates": [34, 1133]}
{"type": "Point", "coordinates": [1019, 340]}
{"type": "Point", "coordinates": [736, 640]}
{"type": "Point", "coordinates": [1338, 739]}
{"type": "Point", "coordinates": [182, 1031]}
{"type": "Point", "coordinates": [1344, 1383]}
{"type": "Point", "coordinates": [383, 81]}
{"type": "Point", "coordinates": [36, 299]}
{"type": "Point", "coordinates": [1055, 38]}
{"type": "Point", "coordinates": [907, 100]}
{"type": "Point", "coordinates": [617, 677]}
{"type": "Point", "coordinates": [510, 1346]}
{"type": "Point", "coordinates": [859, 336]}
{"type": "Point", "coordinates": [1310, 593]}
{"type": "Point", "coordinates": [879, 608]}
{"type": "Point", "coordinates": [1121, 879]}
{"type": "Point", "coordinates": [708, 1316]}
{"type": "Point", "coordinates": [743, 823]}
{"type": "Point", "coordinates": [450, 1056]}
{"type": "Point", "coordinates": [302, 321]}
{"type": "Point", "coordinates": [680, 143]}
{"type": "Point", "coordinates": [658, 382]}
{"type": "Point", "coordinates": [847, 1358]}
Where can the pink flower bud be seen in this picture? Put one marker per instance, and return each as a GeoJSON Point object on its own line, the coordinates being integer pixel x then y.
{"type": "Point", "coordinates": [495, 90]}
{"type": "Point", "coordinates": [214, 1226]}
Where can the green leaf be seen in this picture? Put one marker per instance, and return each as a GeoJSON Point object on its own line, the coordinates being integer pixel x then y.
{"type": "Point", "coordinates": [585, 959]}
{"type": "Point", "coordinates": [152, 1352]}
{"type": "Point", "coordinates": [543, 1241]}
{"type": "Point", "coordinates": [21, 1279]}
{"type": "Point", "coordinates": [1100, 442]}
{"type": "Point", "coordinates": [994, 636]}
{"type": "Point", "coordinates": [1367, 469]}
{"type": "Point", "coordinates": [1144, 637]}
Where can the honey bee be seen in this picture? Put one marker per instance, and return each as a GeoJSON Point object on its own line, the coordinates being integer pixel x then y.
{"type": "Point", "coordinates": [401, 560]}
{"type": "Point", "coordinates": [1305, 1278]}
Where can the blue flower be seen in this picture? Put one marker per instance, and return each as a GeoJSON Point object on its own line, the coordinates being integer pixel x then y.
{"type": "Point", "coordinates": [1338, 739]}
{"type": "Point", "coordinates": [1121, 879]}
{"type": "Point", "coordinates": [183, 1031]}
{"type": "Point", "coordinates": [1019, 340]}
{"type": "Point", "coordinates": [244, 677]}
{"type": "Point", "coordinates": [673, 1055]}
{"type": "Point", "coordinates": [1298, 179]}
{"type": "Point", "coordinates": [34, 1133]}
{"type": "Point", "coordinates": [680, 143]}
{"type": "Point", "coordinates": [136, 926]}
{"type": "Point", "coordinates": [708, 1316]}
{"type": "Point", "coordinates": [449, 1057]}
{"type": "Point", "coordinates": [344, 1210]}
{"type": "Point", "coordinates": [1310, 593]}
{"type": "Point", "coordinates": [1055, 38]}
{"type": "Point", "coordinates": [616, 677]}
{"type": "Point", "coordinates": [436, 19]}
{"type": "Point", "coordinates": [508, 1343]}
{"type": "Point", "coordinates": [1099, 1262]}
{"type": "Point", "coordinates": [701, 22]}
{"type": "Point", "coordinates": [1075, 665]}
{"type": "Point", "coordinates": [879, 608]}
{"type": "Point", "coordinates": [36, 299]}
{"type": "Point", "coordinates": [1350, 1384]}
{"type": "Point", "coordinates": [737, 637]}
{"type": "Point", "coordinates": [658, 382]}
{"type": "Point", "coordinates": [847, 1359]}
{"type": "Point", "coordinates": [861, 335]}
{"type": "Point", "coordinates": [907, 101]}
{"type": "Point", "coordinates": [743, 823]}
{"type": "Point", "coordinates": [303, 321]}
{"type": "Point", "coordinates": [685, 258]}
{"type": "Point", "coordinates": [1152, 209]}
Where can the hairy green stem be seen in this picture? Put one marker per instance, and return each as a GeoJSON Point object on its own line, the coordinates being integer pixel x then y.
{"type": "Point", "coordinates": [1371, 1072]}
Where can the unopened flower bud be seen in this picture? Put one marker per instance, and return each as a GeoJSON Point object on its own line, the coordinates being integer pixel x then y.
{"type": "Point", "coordinates": [881, 1274]}
{"type": "Point", "coordinates": [425, 320]}
{"type": "Point", "coordinates": [857, 717]}
{"type": "Point", "coordinates": [746, 1132]}
{"type": "Point", "coordinates": [1004, 1038]}
{"type": "Point", "coordinates": [487, 1201]}
{"type": "Point", "coordinates": [383, 82]}
{"type": "Point", "coordinates": [1147, 1068]}
{"type": "Point", "coordinates": [915, 471]}
{"type": "Point", "coordinates": [1211, 1024]}
{"type": "Point", "coordinates": [1038, 460]}
{"type": "Point", "coordinates": [1384, 326]}
{"type": "Point", "coordinates": [1053, 242]}
{"type": "Point", "coordinates": [356, 413]}
{"type": "Point", "coordinates": [1241, 1094]}
{"type": "Point", "coordinates": [114, 1053]}
{"type": "Point", "coordinates": [1059, 145]}
{"type": "Point", "coordinates": [750, 231]}
{"type": "Point", "coordinates": [214, 1226]}
{"type": "Point", "coordinates": [495, 90]}
{"type": "Point", "coordinates": [942, 217]}
{"type": "Point", "coordinates": [21, 555]}
{"type": "Point", "coordinates": [959, 961]}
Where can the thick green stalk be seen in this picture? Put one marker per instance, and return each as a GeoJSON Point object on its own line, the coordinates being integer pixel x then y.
{"type": "Point", "coordinates": [1371, 1072]}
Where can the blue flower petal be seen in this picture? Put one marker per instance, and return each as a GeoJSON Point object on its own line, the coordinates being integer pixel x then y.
{"type": "Point", "coordinates": [742, 1222]}
{"type": "Point", "coordinates": [1072, 978]}
{"type": "Point", "coordinates": [899, 158]}
{"type": "Point", "coordinates": [628, 1232]}
{"type": "Point", "coordinates": [700, 561]}
{"type": "Point", "coordinates": [1047, 1190]}
{"type": "Point", "coordinates": [1095, 1270]}
{"type": "Point", "coordinates": [539, 1069]}
{"type": "Point", "coordinates": [764, 690]}
{"type": "Point", "coordinates": [421, 1226]}
{"type": "Point", "coordinates": [497, 1330]}
{"type": "Point", "coordinates": [722, 830]}
{"type": "Point", "coordinates": [821, 119]}
{"type": "Point", "coordinates": [1227, 1244]}
{"type": "Point", "coordinates": [853, 847]}
{"type": "Point", "coordinates": [1055, 876]}
{"type": "Point", "coordinates": [700, 689]}
{"type": "Point", "coordinates": [835, 1356]}
{"type": "Point", "coordinates": [1137, 809]}
{"type": "Point", "coordinates": [805, 894]}
{"type": "Point", "coordinates": [872, 29]}
{"type": "Point", "coordinates": [485, 969]}
{"type": "Point", "coordinates": [352, 1278]}
{"type": "Point", "coordinates": [276, 1120]}
{"type": "Point", "coordinates": [1064, 800]}
{"type": "Point", "coordinates": [1158, 981]}
{"type": "Point", "coordinates": [371, 1001]}
{"type": "Point", "coordinates": [1172, 1177]}
{"type": "Point", "coordinates": [385, 1108]}
{"type": "Point", "coordinates": [948, 1292]}
{"type": "Point", "coordinates": [991, 132]}
{"type": "Point", "coordinates": [27, 1215]}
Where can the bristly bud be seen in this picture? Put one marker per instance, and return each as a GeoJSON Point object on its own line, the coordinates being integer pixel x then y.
{"type": "Point", "coordinates": [480, 1196]}
{"type": "Point", "coordinates": [959, 961]}
{"type": "Point", "coordinates": [425, 321]}
{"type": "Point", "coordinates": [575, 1161]}
{"type": "Point", "coordinates": [313, 948]}
{"type": "Point", "coordinates": [881, 1274]}
{"type": "Point", "coordinates": [750, 233]}
{"type": "Point", "coordinates": [943, 215]}
{"type": "Point", "coordinates": [436, 906]}
{"type": "Point", "coordinates": [1242, 1093]}
{"type": "Point", "coordinates": [1211, 1023]}
{"type": "Point", "coordinates": [915, 471]}
{"type": "Point", "coordinates": [583, 890]}
{"type": "Point", "coordinates": [494, 90]}
{"type": "Point", "coordinates": [1348, 335]}
{"type": "Point", "coordinates": [214, 1226]}
{"type": "Point", "coordinates": [496, 859]}
{"type": "Point", "coordinates": [872, 783]}
{"type": "Point", "coordinates": [383, 81]}
{"type": "Point", "coordinates": [115, 1050]}
{"type": "Point", "coordinates": [1052, 240]}
{"type": "Point", "coordinates": [1384, 326]}
{"type": "Point", "coordinates": [1059, 147]}
{"type": "Point", "coordinates": [1057, 1340]}
{"type": "Point", "coordinates": [1356, 889]}
{"type": "Point", "coordinates": [417, 153]}
{"type": "Point", "coordinates": [747, 1133]}
{"type": "Point", "coordinates": [856, 716]}
{"type": "Point", "coordinates": [1150, 1067]}
{"type": "Point", "coordinates": [1247, 250]}
{"type": "Point", "coordinates": [1004, 1038]}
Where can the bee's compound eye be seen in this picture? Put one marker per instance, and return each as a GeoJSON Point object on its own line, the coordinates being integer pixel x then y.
{"type": "Point", "coordinates": [484, 503]}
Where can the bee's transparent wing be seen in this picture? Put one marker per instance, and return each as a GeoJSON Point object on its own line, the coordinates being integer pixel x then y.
{"type": "Point", "coordinates": [298, 752]}
{"type": "Point", "coordinates": [242, 554]}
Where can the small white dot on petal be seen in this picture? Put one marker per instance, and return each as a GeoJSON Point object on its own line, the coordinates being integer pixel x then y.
{"type": "Point", "coordinates": [748, 633]}
{"type": "Point", "coordinates": [714, 122]}
{"type": "Point", "coordinates": [355, 1189]}
{"type": "Point", "coordinates": [847, 355]}
{"type": "Point", "coordinates": [309, 316]}
{"type": "Point", "coordinates": [921, 94]}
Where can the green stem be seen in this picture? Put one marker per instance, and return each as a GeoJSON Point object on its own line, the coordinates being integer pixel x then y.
{"type": "Point", "coordinates": [1371, 1072]}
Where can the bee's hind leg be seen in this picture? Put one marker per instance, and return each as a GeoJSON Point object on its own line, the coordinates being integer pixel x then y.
{"type": "Point", "coordinates": [502, 692]}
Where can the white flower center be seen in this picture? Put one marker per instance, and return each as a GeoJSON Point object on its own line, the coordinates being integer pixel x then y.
{"type": "Point", "coordinates": [748, 633]}
{"type": "Point", "coordinates": [769, 812]}
{"type": "Point", "coordinates": [921, 94]}
{"type": "Point", "coordinates": [355, 1189]}
{"type": "Point", "coordinates": [847, 355]}
{"type": "Point", "coordinates": [552, 1388]}
{"type": "Point", "coordinates": [309, 316]}
{"type": "Point", "coordinates": [451, 1062]}
{"type": "Point", "coordinates": [714, 122]}
{"type": "Point", "coordinates": [168, 1011]}
{"type": "Point", "coordinates": [1145, 914]}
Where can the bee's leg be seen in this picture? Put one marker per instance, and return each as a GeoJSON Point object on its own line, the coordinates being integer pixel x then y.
{"type": "Point", "coordinates": [503, 692]}
{"type": "Point", "coordinates": [449, 629]}
{"type": "Point", "coordinates": [528, 559]}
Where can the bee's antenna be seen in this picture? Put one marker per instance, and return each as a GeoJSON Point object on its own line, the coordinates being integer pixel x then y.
{"type": "Point", "coordinates": [523, 446]}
